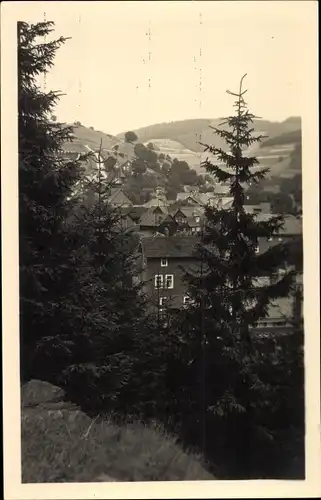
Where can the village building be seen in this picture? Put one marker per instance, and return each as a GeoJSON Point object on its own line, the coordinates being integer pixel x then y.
{"type": "Point", "coordinates": [158, 199]}
{"type": "Point", "coordinates": [166, 258]}
{"type": "Point", "coordinates": [189, 219]}
{"type": "Point", "coordinates": [118, 198]}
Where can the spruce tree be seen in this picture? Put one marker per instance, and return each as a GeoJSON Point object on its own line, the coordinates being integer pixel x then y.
{"type": "Point", "coordinates": [110, 292]}
{"type": "Point", "coordinates": [232, 292]}
{"type": "Point", "coordinates": [46, 182]}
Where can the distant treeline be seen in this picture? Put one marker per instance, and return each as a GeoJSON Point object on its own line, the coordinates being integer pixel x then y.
{"type": "Point", "coordinates": [288, 138]}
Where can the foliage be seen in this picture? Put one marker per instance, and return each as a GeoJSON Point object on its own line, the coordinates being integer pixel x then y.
{"type": "Point", "coordinates": [130, 137]}
{"type": "Point", "coordinates": [87, 326]}
{"type": "Point", "coordinates": [46, 183]}
{"type": "Point", "coordinates": [109, 290]}
{"type": "Point", "coordinates": [228, 300]}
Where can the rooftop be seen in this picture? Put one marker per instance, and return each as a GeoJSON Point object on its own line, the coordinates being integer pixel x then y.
{"type": "Point", "coordinates": [149, 219]}
{"type": "Point", "coordinates": [190, 211]}
{"type": "Point", "coordinates": [171, 246]}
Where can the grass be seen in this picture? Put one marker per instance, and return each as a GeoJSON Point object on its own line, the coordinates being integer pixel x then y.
{"type": "Point", "coordinates": [67, 446]}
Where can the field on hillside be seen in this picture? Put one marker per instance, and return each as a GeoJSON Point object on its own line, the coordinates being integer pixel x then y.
{"type": "Point", "coordinates": [274, 154]}
{"type": "Point", "coordinates": [190, 132]}
{"type": "Point", "coordinates": [85, 136]}
{"type": "Point", "coordinates": [176, 150]}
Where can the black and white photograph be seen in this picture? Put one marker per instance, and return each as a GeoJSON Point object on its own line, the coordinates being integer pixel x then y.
{"type": "Point", "coordinates": [163, 279]}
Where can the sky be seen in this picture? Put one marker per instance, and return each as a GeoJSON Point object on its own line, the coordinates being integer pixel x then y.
{"type": "Point", "coordinates": [132, 64]}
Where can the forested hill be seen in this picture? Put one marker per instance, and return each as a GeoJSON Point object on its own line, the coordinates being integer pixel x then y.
{"type": "Point", "coordinates": [189, 132]}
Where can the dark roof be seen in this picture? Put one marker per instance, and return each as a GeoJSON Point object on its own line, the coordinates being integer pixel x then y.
{"type": "Point", "coordinates": [115, 192]}
{"type": "Point", "coordinates": [137, 211]}
{"type": "Point", "coordinates": [125, 211]}
{"type": "Point", "coordinates": [175, 206]}
{"type": "Point", "coordinates": [171, 246]}
{"type": "Point", "coordinates": [149, 219]}
{"type": "Point", "coordinates": [192, 211]}
{"type": "Point", "coordinates": [169, 219]}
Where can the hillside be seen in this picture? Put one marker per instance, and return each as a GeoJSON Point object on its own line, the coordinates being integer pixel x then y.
{"type": "Point", "coordinates": [176, 150]}
{"type": "Point", "coordinates": [179, 140]}
{"type": "Point", "coordinates": [84, 136]}
{"type": "Point", "coordinates": [294, 136]}
{"type": "Point", "coordinates": [60, 443]}
{"type": "Point", "coordinates": [190, 132]}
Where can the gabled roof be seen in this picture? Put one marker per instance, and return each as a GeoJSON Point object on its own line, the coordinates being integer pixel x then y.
{"type": "Point", "coordinates": [148, 219]}
{"type": "Point", "coordinates": [192, 211]}
{"type": "Point", "coordinates": [168, 219]}
{"type": "Point", "coordinates": [125, 211]}
{"type": "Point", "coordinates": [204, 198]}
{"type": "Point", "coordinates": [136, 212]}
{"type": "Point", "coordinates": [184, 196]}
{"type": "Point", "coordinates": [172, 209]}
{"type": "Point", "coordinates": [159, 209]}
{"type": "Point", "coordinates": [157, 200]}
{"type": "Point", "coordinates": [196, 197]}
{"type": "Point", "coordinates": [171, 246]}
{"type": "Point", "coordinates": [118, 196]}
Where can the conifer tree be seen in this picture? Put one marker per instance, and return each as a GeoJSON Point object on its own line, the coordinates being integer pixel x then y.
{"type": "Point", "coordinates": [46, 182]}
{"type": "Point", "coordinates": [232, 292]}
{"type": "Point", "coordinates": [110, 292]}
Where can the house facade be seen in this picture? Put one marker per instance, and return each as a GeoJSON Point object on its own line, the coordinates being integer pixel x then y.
{"type": "Point", "coordinates": [166, 258]}
{"type": "Point", "coordinates": [165, 261]}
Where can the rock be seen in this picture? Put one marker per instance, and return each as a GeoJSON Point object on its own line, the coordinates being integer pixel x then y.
{"type": "Point", "coordinates": [37, 392]}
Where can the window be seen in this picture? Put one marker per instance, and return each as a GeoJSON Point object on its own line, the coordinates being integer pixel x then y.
{"type": "Point", "coordinates": [162, 311]}
{"type": "Point", "coordinates": [164, 262]}
{"type": "Point", "coordinates": [159, 281]}
{"type": "Point", "coordinates": [270, 239]}
{"type": "Point", "coordinates": [187, 300]}
{"type": "Point", "coordinates": [257, 249]}
{"type": "Point", "coordinates": [162, 301]}
{"type": "Point", "coordinates": [280, 239]}
{"type": "Point", "coordinates": [169, 281]}
{"type": "Point", "coordinates": [197, 219]}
